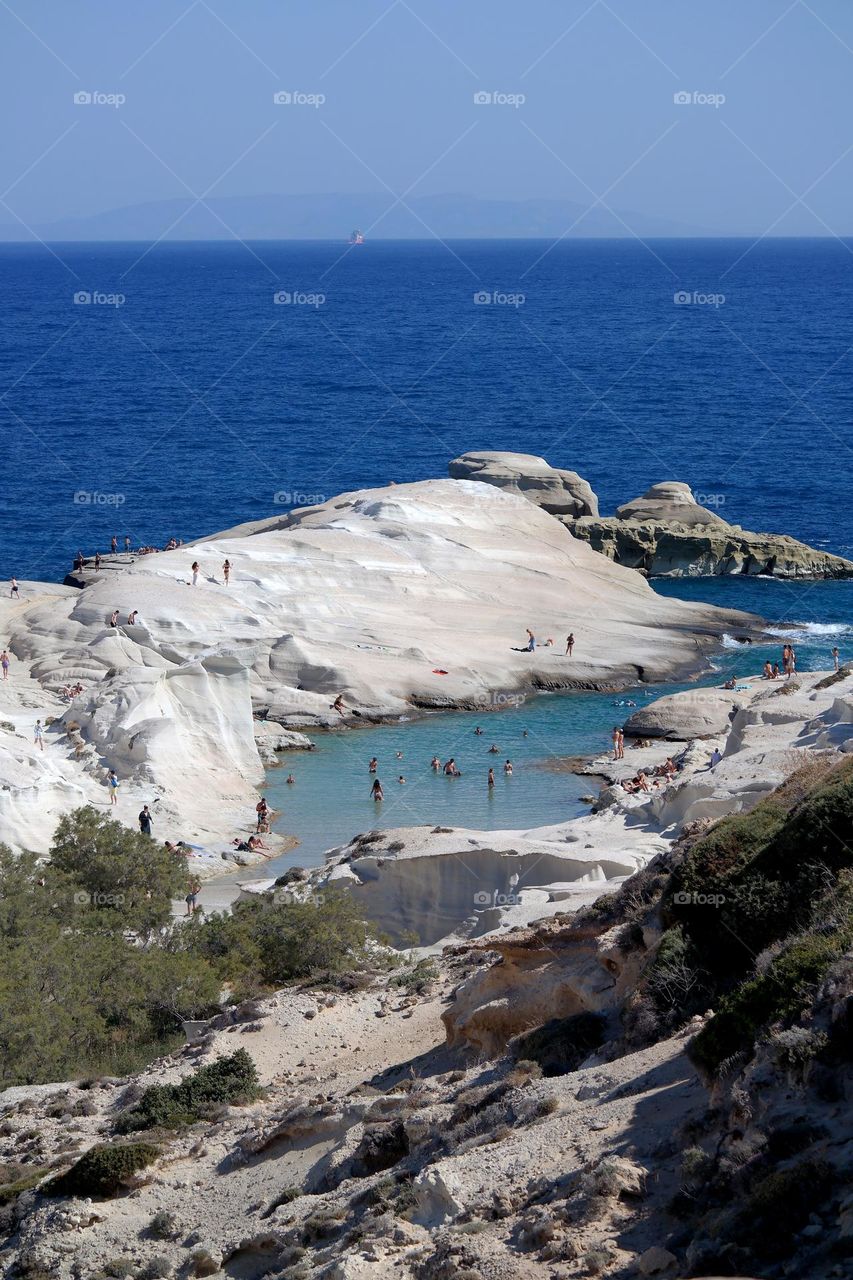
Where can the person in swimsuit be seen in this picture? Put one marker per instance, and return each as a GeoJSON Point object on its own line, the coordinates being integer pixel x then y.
{"type": "Point", "coordinates": [621, 748]}
{"type": "Point", "coordinates": [195, 568]}
{"type": "Point", "coordinates": [570, 644]}
{"type": "Point", "coordinates": [38, 735]}
{"type": "Point", "coordinates": [374, 764]}
{"type": "Point", "coordinates": [508, 768]}
{"type": "Point", "coordinates": [435, 764]}
{"type": "Point", "coordinates": [192, 897]}
{"type": "Point", "coordinates": [114, 544]}
{"type": "Point", "coordinates": [376, 790]}
{"type": "Point", "coordinates": [835, 654]}
{"type": "Point", "coordinates": [491, 777]}
{"type": "Point", "coordinates": [114, 618]}
{"type": "Point", "coordinates": [14, 594]}
{"type": "Point", "coordinates": [126, 542]}
{"type": "Point", "coordinates": [262, 810]}
{"type": "Point", "coordinates": [4, 663]}
{"type": "Point", "coordinates": [450, 769]}
{"type": "Point", "coordinates": [401, 779]}
{"type": "Point", "coordinates": [226, 571]}
{"type": "Point", "coordinates": [131, 617]}
{"type": "Point", "coordinates": [338, 704]}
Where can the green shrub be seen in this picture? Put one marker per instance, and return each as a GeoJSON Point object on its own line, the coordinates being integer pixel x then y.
{"type": "Point", "coordinates": [171, 1106]}
{"type": "Point", "coordinates": [277, 940]}
{"type": "Point", "coordinates": [15, 1178]}
{"type": "Point", "coordinates": [104, 1170]}
{"type": "Point", "coordinates": [779, 1205]}
{"type": "Point", "coordinates": [164, 1226]}
{"type": "Point", "coordinates": [782, 992]}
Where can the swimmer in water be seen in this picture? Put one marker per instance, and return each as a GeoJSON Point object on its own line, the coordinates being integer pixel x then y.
{"type": "Point", "coordinates": [491, 777]}
{"type": "Point", "coordinates": [374, 764]}
{"type": "Point", "coordinates": [508, 768]}
{"type": "Point", "coordinates": [376, 790]}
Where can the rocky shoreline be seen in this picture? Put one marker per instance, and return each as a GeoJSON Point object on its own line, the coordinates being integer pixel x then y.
{"type": "Point", "coordinates": [663, 533]}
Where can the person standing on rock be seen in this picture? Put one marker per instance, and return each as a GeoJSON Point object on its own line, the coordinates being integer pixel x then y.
{"type": "Point", "coordinates": [4, 663]}
{"type": "Point", "coordinates": [262, 809]}
{"type": "Point", "coordinates": [531, 641]}
{"type": "Point", "coordinates": [835, 657]}
{"type": "Point", "coordinates": [112, 783]}
{"type": "Point", "coordinates": [145, 821]}
{"type": "Point", "coordinates": [114, 544]}
{"type": "Point", "coordinates": [192, 897]}
{"type": "Point", "coordinates": [226, 571]}
{"type": "Point", "coordinates": [127, 542]}
{"type": "Point", "coordinates": [14, 594]}
{"type": "Point", "coordinates": [570, 644]}
{"type": "Point", "coordinates": [114, 618]}
{"type": "Point", "coordinates": [97, 562]}
{"type": "Point", "coordinates": [615, 738]}
{"type": "Point", "coordinates": [195, 567]}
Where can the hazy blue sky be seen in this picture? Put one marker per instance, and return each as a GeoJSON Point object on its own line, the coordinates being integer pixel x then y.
{"type": "Point", "coordinates": [399, 78]}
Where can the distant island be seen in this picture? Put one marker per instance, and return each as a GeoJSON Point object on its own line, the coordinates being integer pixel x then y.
{"type": "Point", "coordinates": [329, 217]}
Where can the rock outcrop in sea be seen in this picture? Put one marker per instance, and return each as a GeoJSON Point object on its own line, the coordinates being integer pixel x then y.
{"type": "Point", "coordinates": [662, 533]}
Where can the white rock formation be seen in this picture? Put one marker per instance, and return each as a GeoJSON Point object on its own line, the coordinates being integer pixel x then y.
{"type": "Point", "coordinates": [562, 493]}
{"type": "Point", "coordinates": [408, 595]}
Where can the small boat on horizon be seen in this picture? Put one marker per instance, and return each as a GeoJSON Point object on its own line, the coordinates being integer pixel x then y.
{"type": "Point", "coordinates": [356, 237]}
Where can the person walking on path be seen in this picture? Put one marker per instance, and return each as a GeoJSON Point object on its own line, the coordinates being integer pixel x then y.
{"type": "Point", "coordinates": [145, 821]}
{"type": "Point", "coordinates": [14, 594]}
{"type": "Point", "coordinates": [195, 572]}
{"type": "Point", "coordinates": [112, 783]}
{"type": "Point", "coordinates": [226, 571]}
{"type": "Point", "coordinates": [570, 644]}
{"type": "Point", "coordinates": [4, 663]}
{"type": "Point", "coordinates": [38, 735]}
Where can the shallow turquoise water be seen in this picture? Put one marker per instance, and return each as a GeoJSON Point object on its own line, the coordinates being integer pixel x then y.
{"type": "Point", "coordinates": [330, 801]}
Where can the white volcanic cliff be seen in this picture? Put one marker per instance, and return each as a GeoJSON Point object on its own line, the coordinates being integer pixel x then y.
{"type": "Point", "coordinates": [407, 595]}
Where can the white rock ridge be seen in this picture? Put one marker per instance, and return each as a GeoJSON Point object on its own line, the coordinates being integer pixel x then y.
{"type": "Point", "coordinates": [407, 595]}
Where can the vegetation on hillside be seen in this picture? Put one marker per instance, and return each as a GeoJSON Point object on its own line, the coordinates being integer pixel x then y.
{"type": "Point", "coordinates": [96, 978]}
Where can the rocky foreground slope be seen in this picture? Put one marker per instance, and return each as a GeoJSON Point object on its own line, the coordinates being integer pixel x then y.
{"type": "Point", "coordinates": [657, 1085]}
{"type": "Point", "coordinates": [404, 597]}
{"type": "Point", "coordinates": [663, 533]}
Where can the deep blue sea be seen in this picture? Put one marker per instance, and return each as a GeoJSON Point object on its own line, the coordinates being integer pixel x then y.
{"type": "Point", "coordinates": [164, 391]}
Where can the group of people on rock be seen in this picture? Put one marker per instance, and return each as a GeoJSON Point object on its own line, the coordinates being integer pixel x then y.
{"type": "Point", "coordinates": [530, 645]}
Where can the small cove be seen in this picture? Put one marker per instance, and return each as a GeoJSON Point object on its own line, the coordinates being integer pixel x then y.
{"type": "Point", "coordinates": [330, 801]}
